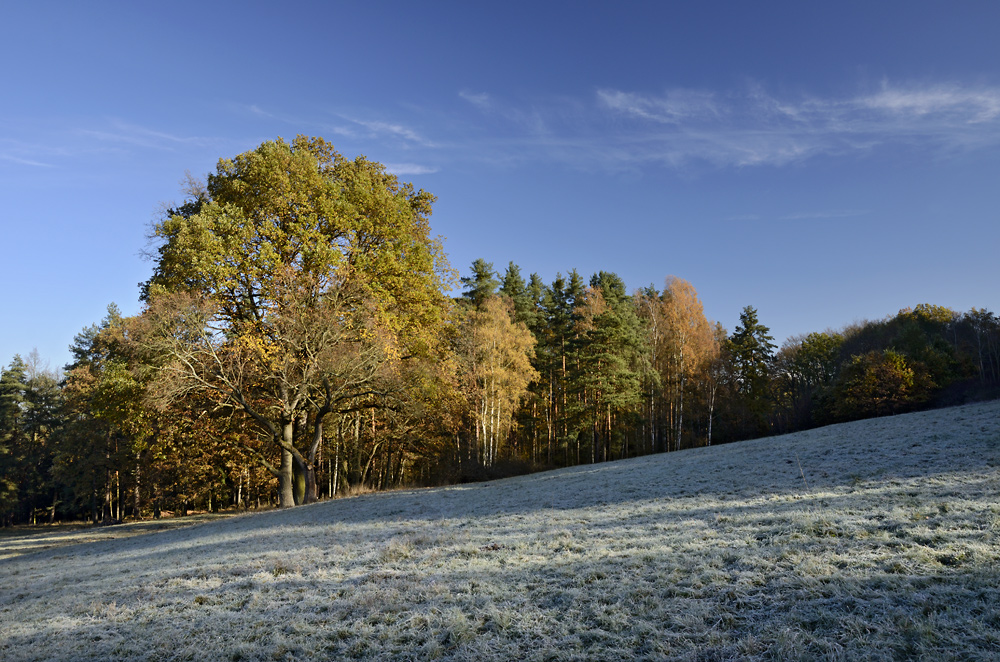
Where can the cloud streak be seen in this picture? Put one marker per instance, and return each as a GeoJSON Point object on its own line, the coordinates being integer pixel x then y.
{"type": "Point", "coordinates": [380, 129]}
{"type": "Point", "coordinates": [753, 128]}
{"type": "Point", "coordinates": [139, 136]}
{"type": "Point", "coordinates": [674, 107]}
{"type": "Point", "coordinates": [403, 169]}
{"type": "Point", "coordinates": [824, 215]}
{"type": "Point", "coordinates": [747, 127]}
{"type": "Point", "coordinates": [479, 99]}
{"type": "Point", "coordinates": [940, 103]}
{"type": "Point", "coordinates": [832, 214]}
{"type": "Point", "coordinates": [23, 161]}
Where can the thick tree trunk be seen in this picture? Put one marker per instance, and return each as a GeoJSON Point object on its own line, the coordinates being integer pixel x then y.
{"type": "Point", "coordinates": [286, 480]}
{"type": "Point", "coordinates": [299, 484]}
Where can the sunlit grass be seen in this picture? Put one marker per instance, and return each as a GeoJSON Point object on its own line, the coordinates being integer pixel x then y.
{"type": "Point", "coordinates": [884, 545]}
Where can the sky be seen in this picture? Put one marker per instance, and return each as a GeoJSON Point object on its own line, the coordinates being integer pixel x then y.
{"type": "Point", "coordinates": [826, 163]}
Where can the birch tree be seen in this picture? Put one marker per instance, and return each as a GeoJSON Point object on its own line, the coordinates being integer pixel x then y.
{"type": "Point", "coordinates": [500, 370]}
{"type": "Point", "coordinates": [689, 343]}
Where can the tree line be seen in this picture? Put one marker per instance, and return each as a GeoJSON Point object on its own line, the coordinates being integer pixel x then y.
{"type": "Point", "coordinates": [296, 342]}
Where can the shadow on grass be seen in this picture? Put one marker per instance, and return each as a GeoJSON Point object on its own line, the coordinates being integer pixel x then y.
{"type": "Point", "coordinates": [822, 467]}
{"type": "Point", "coordinates": [676, 603]}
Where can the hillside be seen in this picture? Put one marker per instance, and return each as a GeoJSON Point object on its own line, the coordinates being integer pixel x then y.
{"type": "Point", "coordinates": [871, 540]}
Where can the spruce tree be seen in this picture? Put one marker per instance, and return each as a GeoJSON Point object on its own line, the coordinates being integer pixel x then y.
{"type": "Point", "coordinates": [752, 349]}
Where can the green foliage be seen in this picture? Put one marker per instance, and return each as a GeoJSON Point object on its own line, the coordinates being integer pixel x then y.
{"type": "Point", "coordinates": [816, 362]}
{"type": "Point", "coordinates": [979, 330]}
{"type": "Point", "coordinates": [613, 362]}
{"type": "Point", "coordinates": [611, 285]}
{"type": "Point", "coordinates": [804, 371]}
{"type": "Point", "coordinates": [13, 386]}
{"type": "Point", "coordinates": [879, 384]}
{"type": "Point", "coordinates": [523, 298]}
{"type": "Point", "coordinates": [30, 402]}
{"type": "Point", "coordinates": [751, 348]}
{"type": "Point", "coordinates": [482, 284]}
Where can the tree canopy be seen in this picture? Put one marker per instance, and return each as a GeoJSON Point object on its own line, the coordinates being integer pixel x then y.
{"type": "Point", "coordinates": [289, 289]}
{"type": "Point", "coordinates": [300, 338]}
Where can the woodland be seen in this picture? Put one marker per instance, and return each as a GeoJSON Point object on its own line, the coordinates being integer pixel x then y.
{"type": "Point", "coordinates": [297, 341]}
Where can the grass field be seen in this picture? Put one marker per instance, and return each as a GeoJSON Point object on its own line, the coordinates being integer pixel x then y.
{"type": "Point", "coordinates": [874, 540]}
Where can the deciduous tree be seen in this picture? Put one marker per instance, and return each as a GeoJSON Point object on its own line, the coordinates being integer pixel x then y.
{"type": "Point", "coordinates": [499, 370]}
{"type": "Point", "coordinates": [287, 291]}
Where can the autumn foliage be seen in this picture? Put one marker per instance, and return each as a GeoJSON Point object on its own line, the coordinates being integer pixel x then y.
{"type": "Point", "coordinates": [298, 341]}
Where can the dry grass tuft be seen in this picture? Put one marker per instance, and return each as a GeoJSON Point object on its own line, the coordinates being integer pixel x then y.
{"type": "Point", "coordinates": [875, 540]}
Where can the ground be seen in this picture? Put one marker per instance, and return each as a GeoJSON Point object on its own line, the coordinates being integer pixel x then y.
{"type": "Point", "coordinates": [871, 540]}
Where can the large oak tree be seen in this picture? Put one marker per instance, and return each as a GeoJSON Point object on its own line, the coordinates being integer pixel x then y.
{"type": "Point", "coordinates": [286, 291]}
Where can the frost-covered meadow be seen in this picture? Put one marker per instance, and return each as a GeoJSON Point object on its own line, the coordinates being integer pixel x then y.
{"type": "Point", "coordinates": [874, 540]}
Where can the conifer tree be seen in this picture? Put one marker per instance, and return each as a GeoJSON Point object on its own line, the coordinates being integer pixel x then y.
{"type": "Point", "coordinates": [514, 288]}
{"type": "Point", "coordinates": [614, 360]}
{"type": "Point", "coordinates": [482, 284]}
{"type": "Point", "coordinates": [13, 385]}
{"type": "Point", "coordinates": [752, 350]}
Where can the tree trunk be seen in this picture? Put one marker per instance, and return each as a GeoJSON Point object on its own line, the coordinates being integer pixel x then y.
{"type": "Point", "coordinates": [305, 483]}
{"type": "Point", "coordinates": [138, 474]}
{"type": "Point", "coordinates": [336, 464]}
{"type": "Point", "coordinates": [680, 413]}
{"type": "Point", "coordinates": [711, 410]}
{"type": "Point", "coordinates": [607, 441]}
{"type": "Point", "coordinates": [286, 480]}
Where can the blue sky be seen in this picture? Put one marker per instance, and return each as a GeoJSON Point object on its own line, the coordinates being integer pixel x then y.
{"type": "Point", "coordinates": [823, 162]}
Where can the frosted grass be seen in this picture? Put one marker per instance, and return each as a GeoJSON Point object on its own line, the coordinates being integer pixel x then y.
{"type": "Point", "coordinates": [871, 540]}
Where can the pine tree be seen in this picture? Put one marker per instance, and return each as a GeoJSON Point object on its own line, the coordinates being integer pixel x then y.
{"type": "Point", "coordinates": [514, 288]}
{"type": "Point", "coordinates": [482, 284]}
{"type": "Point", "coordinates": [613, 353]}
{"type": "Point", "coordinates": [752, 349]}
{"type": "Point", "coordinates": [13, 386]}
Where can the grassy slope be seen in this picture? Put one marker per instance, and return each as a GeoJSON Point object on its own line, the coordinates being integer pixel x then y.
{"type": "Point", "coordinates": [886, 548]}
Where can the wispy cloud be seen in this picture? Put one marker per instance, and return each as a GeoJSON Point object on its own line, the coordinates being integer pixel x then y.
{"type": "Point", "coordinates": [338, 130]}
{"type": "Point", "coordinates": [402, 169]}
{"type": "Point", "coordinates": [254, 109]}
{"type": "Point", "coordinates": [674, 107]}
{"type": "Point", "coordinates": [479, 99]}
{"type": "Point", "coordinates": [23, 161]}
{"type": "Point", "coordinates": [937, 103]}
{"type": "Point", "coordinates": [530, 118]}
{"type": "Point", "coordinates": [138, 136]}
{"type": "Point", "coordinates": [395, 130]}
{"type": "Point", "coordinates": [751, 127]}
{"type": "Point", "coordinates": [743, 127]}
{"type": "Point", "coordinates": [801, 216]}
{"type": "Point", "coordinates": [823, 215]}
